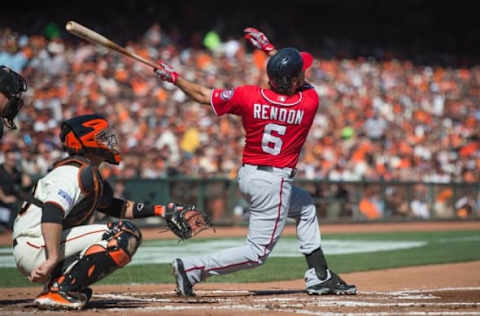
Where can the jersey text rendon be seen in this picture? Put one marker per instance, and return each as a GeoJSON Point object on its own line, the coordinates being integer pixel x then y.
{"type": "Point", "coordinates": [268, 112]}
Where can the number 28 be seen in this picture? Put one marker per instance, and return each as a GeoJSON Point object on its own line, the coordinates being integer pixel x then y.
{"type": "Point", "coordinates": [268, 139]}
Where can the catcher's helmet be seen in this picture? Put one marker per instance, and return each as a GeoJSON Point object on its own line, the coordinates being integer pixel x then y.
{"type": "Point", "coordinates": [285, 65]}
{"type": "Point", "coordinates": [90, 134]}
{"type": "Point", "coordinates": [12, 85]}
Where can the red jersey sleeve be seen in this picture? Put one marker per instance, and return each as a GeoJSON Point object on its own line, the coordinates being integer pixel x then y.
{"type": "Point", "coordinates": [227, 101]}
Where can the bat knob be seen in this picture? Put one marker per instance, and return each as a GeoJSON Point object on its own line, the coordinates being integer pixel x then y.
{"type": "Point", "coordinates": [69, 25]}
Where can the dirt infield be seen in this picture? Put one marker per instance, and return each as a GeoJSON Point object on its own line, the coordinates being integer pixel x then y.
{"type": "Point", "coordinates": [452, 289]}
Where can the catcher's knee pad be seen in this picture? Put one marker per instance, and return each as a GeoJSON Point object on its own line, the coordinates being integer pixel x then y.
{"type": "Point", "coordinates": [119, 244]}
{"type": "Point", "coordinates": [123, 239]}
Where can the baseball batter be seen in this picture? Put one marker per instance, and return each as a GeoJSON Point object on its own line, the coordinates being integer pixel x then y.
{"type": "Point", "coordinates": [276, 123]}
{"type": "Point", "coordinates": [51, 243]}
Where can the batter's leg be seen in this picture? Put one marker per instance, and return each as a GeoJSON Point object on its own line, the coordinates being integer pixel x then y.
{"type": "Point", "coordinates": [303, 210]}
{"type": "Point", "coordinates": [319, 279]}
{"type": "Point", "coordinates": [269, 197]}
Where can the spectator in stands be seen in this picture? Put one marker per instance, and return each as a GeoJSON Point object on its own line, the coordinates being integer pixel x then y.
{"type": "Point", "coordinates": [419, 205]}
{"type": "Point", "coordinates": [370, 205]}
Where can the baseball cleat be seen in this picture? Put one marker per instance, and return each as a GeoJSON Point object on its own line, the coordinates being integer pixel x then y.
{"type": "Point", "coordinates": [57, 300]}
{"type": "Point", "coordinates": [333, 284]}
{"type": "Point", "coordinates": [184, 287]}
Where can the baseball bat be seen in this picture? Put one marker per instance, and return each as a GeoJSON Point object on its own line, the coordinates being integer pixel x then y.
{"type": "Point", "coordinates": [95, 38]}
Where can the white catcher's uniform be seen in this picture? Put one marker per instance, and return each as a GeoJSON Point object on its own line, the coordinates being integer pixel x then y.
{"type": "Point", "coordinates": [62, 187]}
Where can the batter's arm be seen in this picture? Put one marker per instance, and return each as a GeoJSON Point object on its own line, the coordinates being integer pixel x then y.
{"type": "Point", "coordinates": [195, 91]}
{"type": "Point", "coordinates": [199, 93]}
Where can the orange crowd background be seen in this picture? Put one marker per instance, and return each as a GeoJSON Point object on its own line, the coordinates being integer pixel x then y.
{"type": "Point", "coordinates": [378, 119]}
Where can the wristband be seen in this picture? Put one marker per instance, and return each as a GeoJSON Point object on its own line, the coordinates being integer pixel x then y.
{"type": "Point", "coordinates": [140, 210]}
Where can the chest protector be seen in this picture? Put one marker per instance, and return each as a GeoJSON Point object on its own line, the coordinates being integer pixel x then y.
{"type": "Point", "coordinates": [90, 182]}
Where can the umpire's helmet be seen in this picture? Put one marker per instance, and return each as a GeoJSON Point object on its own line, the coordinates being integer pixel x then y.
{"type": "Point", "coordinates": [90, 134]}
{"type": "Point", "coordinates": [285, 65]}
{"type": "Point", "coordinates": [12, 85]}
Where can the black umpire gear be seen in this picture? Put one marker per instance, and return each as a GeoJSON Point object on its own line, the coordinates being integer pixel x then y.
{"type": "Point", "coordinates": [12, 85]}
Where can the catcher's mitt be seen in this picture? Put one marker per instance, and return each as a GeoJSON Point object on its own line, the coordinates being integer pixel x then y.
{"type": "Point", "coordinates": [186, 222]}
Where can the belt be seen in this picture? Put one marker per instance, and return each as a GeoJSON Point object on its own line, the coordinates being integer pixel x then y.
{"type": "Point", "coordinates": [272, 169]}
{"type": "Point", "coordinates": [14, 243]}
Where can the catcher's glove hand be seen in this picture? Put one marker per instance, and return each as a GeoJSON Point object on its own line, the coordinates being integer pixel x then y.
{"type": "Point", "coordinates": [185, 222]}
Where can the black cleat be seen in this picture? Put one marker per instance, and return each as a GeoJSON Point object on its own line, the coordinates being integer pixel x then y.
{"type": "Point", "coordinates": [184, 287]}
{"type": "Point", "coordinates": [332, 285]}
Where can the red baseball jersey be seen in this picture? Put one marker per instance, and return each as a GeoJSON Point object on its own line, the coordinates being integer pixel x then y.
{"type": "Point", "coordinates": [276, 125]}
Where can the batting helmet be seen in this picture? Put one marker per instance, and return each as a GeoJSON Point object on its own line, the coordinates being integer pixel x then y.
{"type": "Point", "coordinates": [285, 65]}
{"type": "Point", "coordinates": [90, 134]}
{"type": "Point", "coordinates": [12, 85]}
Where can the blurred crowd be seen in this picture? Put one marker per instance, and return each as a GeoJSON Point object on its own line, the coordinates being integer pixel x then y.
{"type": "Point", "coordinates": [378, 119]}
{"type": "Point", "coordinates": [396, 121]}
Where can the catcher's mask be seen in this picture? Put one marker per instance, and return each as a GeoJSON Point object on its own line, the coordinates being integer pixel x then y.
{"type": "Point", "coordinates": [90, 134]}
{"type": "Point", "coordinates": [12, 85]}
{"type": "Point", "coordinates": [285, 65]}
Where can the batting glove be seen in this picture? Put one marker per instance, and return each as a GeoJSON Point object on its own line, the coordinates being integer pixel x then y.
{"type": "Point", "coordinates": [166, 73]}
{"type": "Point", "coordinates": [258, 39]}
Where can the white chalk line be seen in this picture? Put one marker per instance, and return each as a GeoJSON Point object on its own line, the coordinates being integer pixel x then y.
{"type": "Point", "coordinates": [390, 293]}
{"type": "Point", "coordinates": [445, 289]}
{"type": "Point", "coordinates": [129, 297]}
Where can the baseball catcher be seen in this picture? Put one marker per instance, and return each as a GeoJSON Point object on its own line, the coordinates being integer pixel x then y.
{"type": "Point", "coordinates": [51, 242]}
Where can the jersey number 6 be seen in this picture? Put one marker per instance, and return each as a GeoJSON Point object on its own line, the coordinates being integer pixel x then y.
{"type": "Point", "coordinates": [268, 139]}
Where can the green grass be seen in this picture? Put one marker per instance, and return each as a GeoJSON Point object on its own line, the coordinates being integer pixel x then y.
{"type": "Point", "coordinates": [441, 247]}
